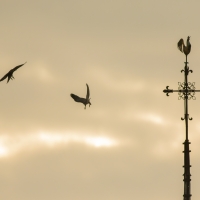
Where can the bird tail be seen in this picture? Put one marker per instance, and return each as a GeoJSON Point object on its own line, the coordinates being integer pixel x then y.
{"type": "Point", "coordinates": [180, 45]}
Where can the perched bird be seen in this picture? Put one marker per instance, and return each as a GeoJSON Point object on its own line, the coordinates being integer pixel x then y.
{"type": "Point", "coordinates": [185, 49]}
{"type": "Point", "coordinates": [9, 75]}
{"type": "Point", "coordinates": [86, 100]}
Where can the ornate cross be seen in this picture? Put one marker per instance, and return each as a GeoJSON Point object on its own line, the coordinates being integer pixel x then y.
{"type": "Point", "coordinates": [186, 91]}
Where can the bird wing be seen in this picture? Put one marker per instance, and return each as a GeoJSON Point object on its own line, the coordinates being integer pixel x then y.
{"type": "Point", "coordinates": [4, 77]}
{"type": "Point", "coordinates": [180, 45]}
{"type": "Point", "coordinates": [77, 98]}
{"type": "Point", "coordinates": [15, 68]}
{"type": "Point", "coordinates": [9, 74]}
{"type": "Point", "coordinates": [88, 92]}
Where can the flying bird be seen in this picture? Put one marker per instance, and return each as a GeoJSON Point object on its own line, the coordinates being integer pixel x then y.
{"type": "Point", "coordinates": [9, 75]}
{"type": "Point", "coordinates": [86, 100]}
{"type": "Point", "coordinates": [185, 49]}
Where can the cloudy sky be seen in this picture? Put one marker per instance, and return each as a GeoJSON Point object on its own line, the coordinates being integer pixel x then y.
{"type": "Point", "coordinates": [128, 144]}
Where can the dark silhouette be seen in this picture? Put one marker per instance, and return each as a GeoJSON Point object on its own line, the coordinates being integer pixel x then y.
{"type": "Point", "coordinates": [9, 75]}
{"type": "Point", "coordinates": [186, 91]}
{"type": "Point", "coordinates": [185, 49]}
{"type": "Point", "coordinates": [86, 100]}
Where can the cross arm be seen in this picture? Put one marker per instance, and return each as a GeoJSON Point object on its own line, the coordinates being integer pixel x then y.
{"type": "Point", "coordinates": [167, 91]}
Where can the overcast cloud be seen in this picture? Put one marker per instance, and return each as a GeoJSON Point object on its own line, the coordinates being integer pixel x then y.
{"type": "Point", "coordinates": [128, 144]}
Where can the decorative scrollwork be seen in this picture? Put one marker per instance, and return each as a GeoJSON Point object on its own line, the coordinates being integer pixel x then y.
{"type": "Point", "coordinates": [190, 118]}
{"type": "Point", "coordinates": [167, 90]}
{"type": "Point", "coordinates": [186, 69]}
{"type": "Point", "coordinates": [186, 90]}
{"type": "Point", "coordinates": [191, 93]}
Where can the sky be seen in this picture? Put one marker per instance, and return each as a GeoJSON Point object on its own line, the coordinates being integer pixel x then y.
{"type": "Point", "coordinates": [128, 143]}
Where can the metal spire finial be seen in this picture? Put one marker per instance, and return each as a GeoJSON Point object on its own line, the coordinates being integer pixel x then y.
{"type": "Point", "coordinates": [186, 91]}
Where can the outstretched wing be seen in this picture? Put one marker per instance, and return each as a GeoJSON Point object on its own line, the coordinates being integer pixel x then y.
{"type": "Point", "coordinates": [4, 77]}
{"type": "Point", "coordinates": [180, 45]}
{"type": "Point", "coordinates": [9, 74]}
{"type": "Point", "coordinates": [88, 92]}
{"type": "Point", "coordinates": [15, 68]}
{"type": "Point", "coordinates": [77, 98]}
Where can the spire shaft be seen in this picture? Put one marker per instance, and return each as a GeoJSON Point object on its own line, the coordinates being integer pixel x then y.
{"type": "Point", "coordinates": [187, 195]}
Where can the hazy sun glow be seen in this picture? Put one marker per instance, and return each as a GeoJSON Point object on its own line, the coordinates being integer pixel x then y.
{"type": "Point", "coordinates": [99, 142]}
{"type": "Point", "coordinates": [54, 139]}
{"type": "Point", "coordinates": [3, 151]}
{"type": "Point", "coordinates": [14, 144]}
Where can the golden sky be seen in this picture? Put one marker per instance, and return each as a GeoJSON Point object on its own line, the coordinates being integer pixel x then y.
{"type": "Point", "coordinates": [128, 144]}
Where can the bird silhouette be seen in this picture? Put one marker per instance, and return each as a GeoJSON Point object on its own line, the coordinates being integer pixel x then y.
{"type": "Point", "coordinates": [86, 100]}
{"type": "Point", "coordinates": [9, 75]}
{"type": "Point", "coordinates": [185, 49]}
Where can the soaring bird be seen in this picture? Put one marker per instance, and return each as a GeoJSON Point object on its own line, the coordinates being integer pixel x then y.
{"type": "Point", "coordinates": [86, 100]}
{"type": "Point", "coordinates": [9, 75]}
{"type": "Point", "coordinates": [185, 49]}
